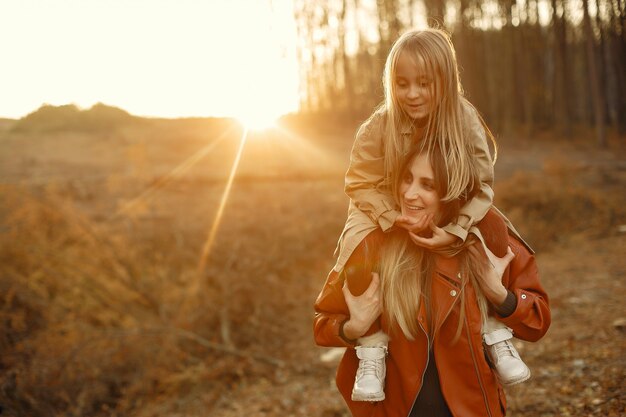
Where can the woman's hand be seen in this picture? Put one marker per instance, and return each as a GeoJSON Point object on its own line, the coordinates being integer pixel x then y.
{"type": "Point", "coordinates": [439, 239]}
{"type": "Point", "coordinates": [490, 271]}
{"type": "Point", "coordinates": [413, 225]}
{"type": "Point", "coordinates": [364, 309]}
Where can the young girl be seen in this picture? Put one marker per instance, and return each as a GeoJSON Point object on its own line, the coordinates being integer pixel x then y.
{"type": "Point", "coordinates": [424, 106]}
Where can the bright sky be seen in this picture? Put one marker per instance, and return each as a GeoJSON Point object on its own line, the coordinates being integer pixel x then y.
{"type": "Point", "coordinates": [168, 58]}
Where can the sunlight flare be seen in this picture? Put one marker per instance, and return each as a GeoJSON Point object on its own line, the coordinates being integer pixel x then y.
{"type": "Point", "coordinates": [178, 171]}
{"type": "Point", "coordinates": [208, 245]}
{"type": "Point", "coordinates": [256, 121]}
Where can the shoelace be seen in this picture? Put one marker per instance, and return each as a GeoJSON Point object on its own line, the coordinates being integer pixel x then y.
{"type": "Point", "coordinates": [369, 367]}
{"type": "Point", "coordinates": [504, 348]}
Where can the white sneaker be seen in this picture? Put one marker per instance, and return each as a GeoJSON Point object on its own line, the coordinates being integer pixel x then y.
{"type": "Point", "coordinates": [369, 384]}
{"type": "Point", "coordinates": [509, 367]}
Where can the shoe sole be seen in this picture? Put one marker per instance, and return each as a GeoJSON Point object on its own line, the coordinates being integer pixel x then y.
{"type": "Point", "coordinates": [368, 397]}
{"type": "Point", "coordinates": [519, 380]}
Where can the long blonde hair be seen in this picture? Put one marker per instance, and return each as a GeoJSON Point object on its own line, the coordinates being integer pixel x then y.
{"type": "Point", "coordinates": [444, 127]}
{"type": "Point", "coordinates": [406, 269]}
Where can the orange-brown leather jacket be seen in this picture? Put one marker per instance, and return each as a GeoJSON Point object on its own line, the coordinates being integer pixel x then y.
{"type": "Point", "coordinates": [468, 384]}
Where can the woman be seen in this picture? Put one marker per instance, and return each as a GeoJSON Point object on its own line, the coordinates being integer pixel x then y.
{"type": "Point", "coordinates": [434, 306]}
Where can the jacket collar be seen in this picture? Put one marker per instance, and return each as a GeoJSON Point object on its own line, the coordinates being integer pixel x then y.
{"type": "Point", "coordinates": [449, 268]}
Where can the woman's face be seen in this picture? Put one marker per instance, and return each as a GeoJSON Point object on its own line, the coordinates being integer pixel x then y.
{"type": "Point", "coordinates": [413, 87]}
{"type": "Point", "coordinates": [417, 190]}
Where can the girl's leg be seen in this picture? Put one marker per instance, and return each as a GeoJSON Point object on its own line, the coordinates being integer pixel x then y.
{"type": "Point", "coordinates": [371, 349]}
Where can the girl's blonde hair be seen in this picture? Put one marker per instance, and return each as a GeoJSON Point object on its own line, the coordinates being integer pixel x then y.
{"type": "Point", "coordinates": [445, 123]}
{"type": "Point", "coordinates": [406, 269]}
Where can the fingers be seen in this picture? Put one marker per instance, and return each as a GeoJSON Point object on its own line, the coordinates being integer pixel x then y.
{"type": "Point", "coordinates": [404, 219]}
{"type": "Point", "coordinates": [425, 242]}
{"type": "Point", "coordinates": [413, 225]}
{"type": "Point", "coordinates": [424, 222]}
{"type": "Point", "coordinates": [432, 242]}
{"type": "Point", "coordinates": [374, 291]}
{"type": "Point", "coordinates": [374, 285]}
{"type": "Point", "coordinates": [346, 290]}
{"type": "Point", "coordinates": [405, 222]}
{"type": "Point", "coordinates": [509, 255]}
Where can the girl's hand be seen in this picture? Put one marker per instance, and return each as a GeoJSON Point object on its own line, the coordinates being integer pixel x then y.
{"type": "Point", "coordinates": [413, 225]}
{"type": "Point", "coordinates": [439, 239]}
{"type": "Point", "coordinates": [490, 270]}
{"type": "Point", "coordinates": [364, 309]}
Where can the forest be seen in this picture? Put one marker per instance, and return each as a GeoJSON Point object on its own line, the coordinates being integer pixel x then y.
{"type": "Point", "coordinates": [527, 65]}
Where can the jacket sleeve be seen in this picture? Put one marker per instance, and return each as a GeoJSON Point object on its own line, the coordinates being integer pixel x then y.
{"type": "Point", "coordinates": [531, 318]}
{"type": "Point", "coordinates": [475, 209]}
{"type": "Point", "coordinates": [365, 175]}
{"type": "Point", "coordinates": [331, 310]}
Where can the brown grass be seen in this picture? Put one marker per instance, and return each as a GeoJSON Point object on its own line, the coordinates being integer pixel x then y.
{"type": "Point", "coordinates": [100, 245]}
{"type": "Point", "coordinates": [101, 314]}
{"type": "Point", "coordinates": [563, 199]}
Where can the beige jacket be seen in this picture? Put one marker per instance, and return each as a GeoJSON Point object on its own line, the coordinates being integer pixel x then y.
{"type": "Point", "coordinates": [371, 204]}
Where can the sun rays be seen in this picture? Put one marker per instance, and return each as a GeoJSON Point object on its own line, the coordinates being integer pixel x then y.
{"type": "Point", "coordinates": [273, 154]}
{"type": "Point", "coordinates": [175, 173]}
{"type": "Point", "coordinates": [208, 244]}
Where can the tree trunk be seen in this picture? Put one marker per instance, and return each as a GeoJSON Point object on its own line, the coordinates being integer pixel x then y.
{"type": "Point", "coordinates": [559, 103]}
{"type": "Point", "coordinates": [511, 86]}
{"type": "Point", "coordinates": [436, 10]}
{"type": "Point", "coordinates": [348, 92]}
{"type": "Point", "coordinates": [596, 90]}
{"type": "Point", "coordinates": [617, 52]}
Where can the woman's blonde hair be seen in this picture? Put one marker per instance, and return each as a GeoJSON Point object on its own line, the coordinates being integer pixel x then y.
{"type": "Point", "coordinates": [444, 127]}
{"type": "Point", "coordinates": [406, 269]}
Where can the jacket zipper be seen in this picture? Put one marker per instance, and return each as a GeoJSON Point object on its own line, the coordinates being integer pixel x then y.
{"type": "Point", "coordinates": [428, 356]}
{"type": "Point", "coordinates": [480, 380]}
{"type": "Point", "coordinates": [423, 373]}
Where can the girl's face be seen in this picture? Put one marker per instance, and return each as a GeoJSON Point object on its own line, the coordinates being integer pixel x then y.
{"type": "Point", "coordinates": [413, 87]}
{"type": "Point", "coordinates": [418, 195]}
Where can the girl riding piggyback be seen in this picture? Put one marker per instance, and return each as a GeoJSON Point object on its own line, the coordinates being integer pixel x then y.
{"type": "Point", "coordinates": [424, 106]}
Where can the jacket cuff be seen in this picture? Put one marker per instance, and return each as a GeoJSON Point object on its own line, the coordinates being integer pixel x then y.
{"type": "Point", "coordinates": [342, 335]}
{"type": "Point", "coordinates": [387, 219]}
{"type": "Point", "coordinates": [523, 303]}
{"type": "Point", "coordinates": [508, 306]}
{"type": "Point", "coordinates": [456, 230]}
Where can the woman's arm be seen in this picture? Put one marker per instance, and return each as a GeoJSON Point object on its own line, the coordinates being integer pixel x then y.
{"type": "Point", "coordinates": [531, 318]}
{"type": "Point", "coordinates": [350, 301]}
{"type": "Point", "coordinates": [514, 275]}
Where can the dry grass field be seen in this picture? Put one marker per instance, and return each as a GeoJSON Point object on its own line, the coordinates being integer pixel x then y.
{"type": "Point", "coordinates": [136, 280]}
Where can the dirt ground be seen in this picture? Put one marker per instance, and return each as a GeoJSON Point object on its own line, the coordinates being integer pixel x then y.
{"type": "Point", "coordinates": [279, 226]}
